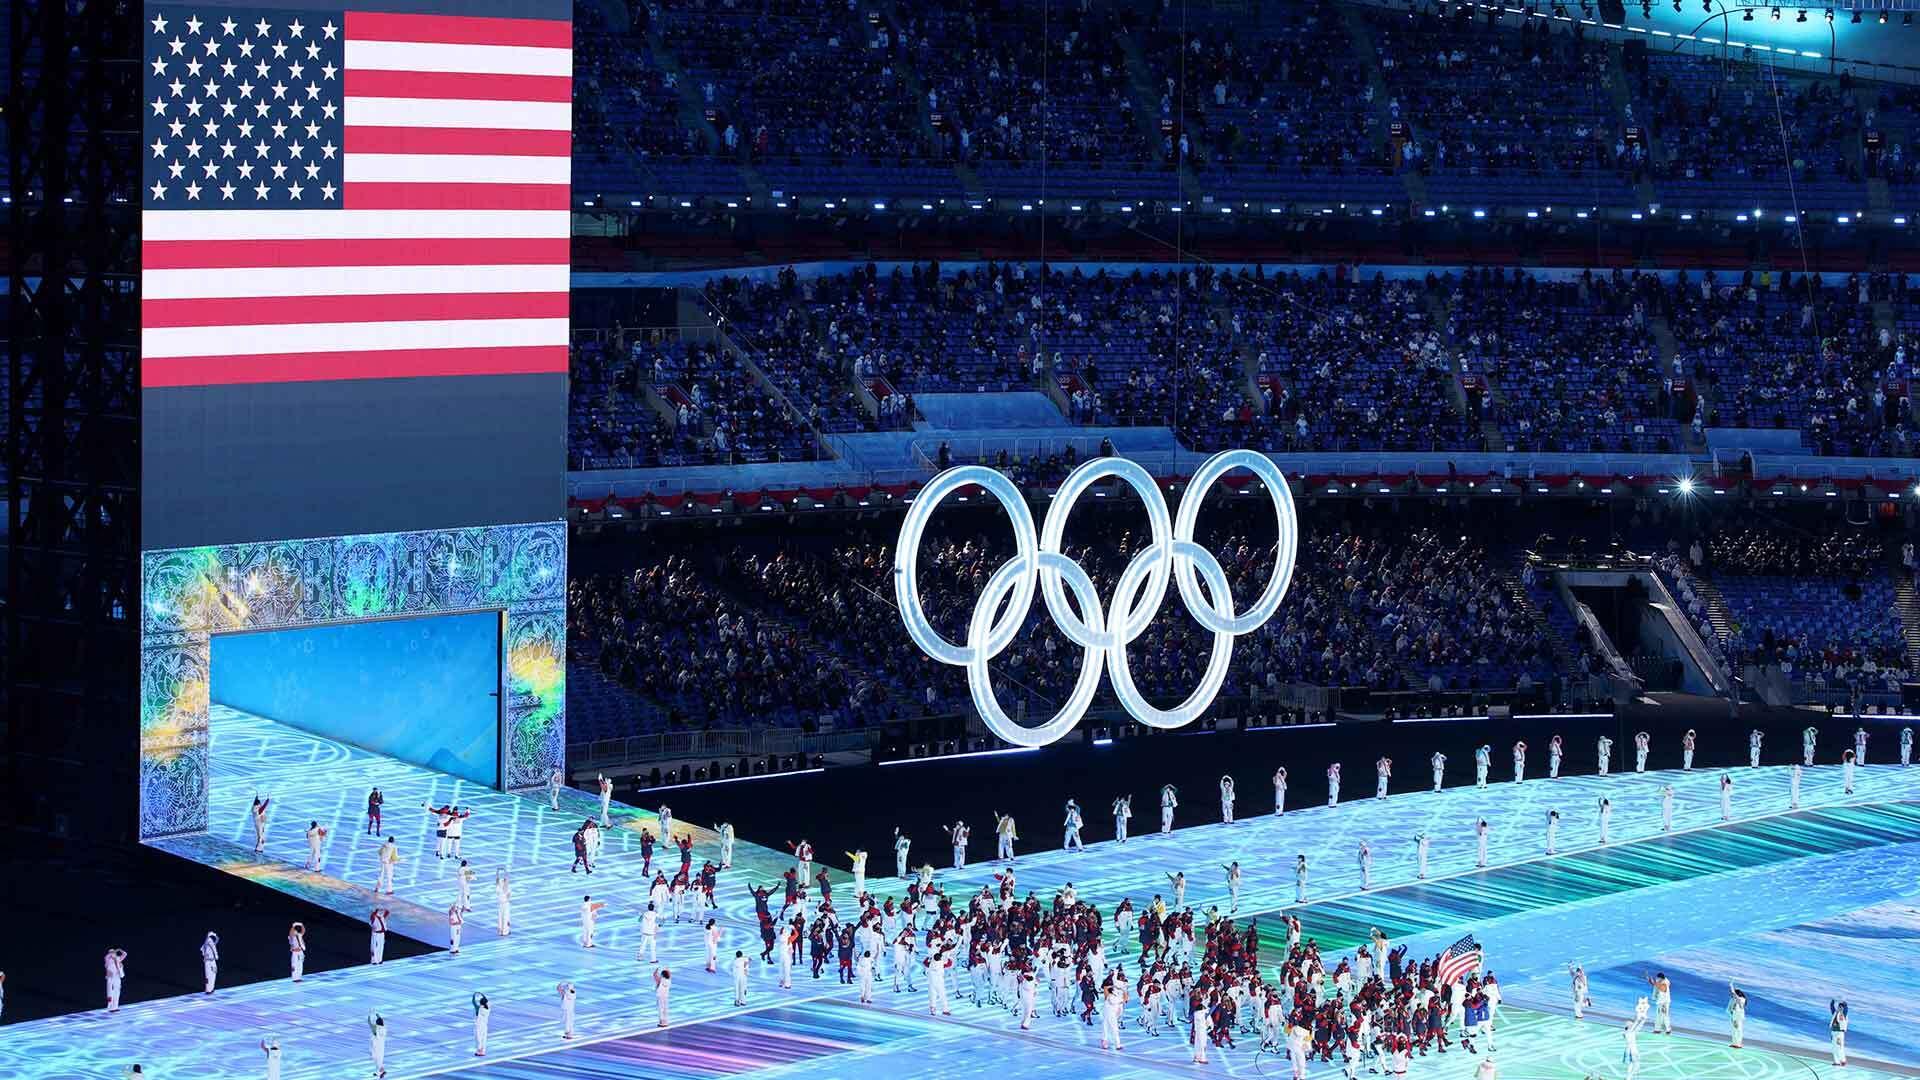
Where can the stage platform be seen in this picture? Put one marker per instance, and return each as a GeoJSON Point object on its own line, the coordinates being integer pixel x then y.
{"type": "Point", "coordinates": [1794, 905]}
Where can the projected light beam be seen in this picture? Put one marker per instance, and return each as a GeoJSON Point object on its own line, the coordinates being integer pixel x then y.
{"type": "Point", "coordinates": [1103, 634]}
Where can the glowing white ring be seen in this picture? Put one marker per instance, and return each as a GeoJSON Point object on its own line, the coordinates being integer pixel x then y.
{"type": "Point", "coordinates": [1103, 633]}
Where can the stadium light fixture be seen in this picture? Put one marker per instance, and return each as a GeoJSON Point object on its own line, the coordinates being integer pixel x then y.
{"type": "Point", "coordinates": [1747, 15]}
{"type": "Point", "coordinates": [1883, 18]}
{"type": "Point", "coordinates": [1802, 17]}
{"type": "Point", "coordinates": [1686, 485]}
{"type": "Point", "coordinates": [1776, 14]}
{"type": "Point", "coordinates": [1856, 17]}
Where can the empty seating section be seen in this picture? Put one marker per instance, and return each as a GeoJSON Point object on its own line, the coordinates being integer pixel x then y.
{"type": "Point", "coordinates": [1503, 119]}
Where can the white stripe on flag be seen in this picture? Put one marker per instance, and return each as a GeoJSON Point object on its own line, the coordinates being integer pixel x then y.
{"type": "Point", "coordinates": [437, 56]}
{"type": "Point", "coordinates": [353, 224]}
{"type": "Point", "coordinates": [459, 113]}
{"type": "Point", "coordinates": [457, 169]}
{"type": "Point", "coordinates": [158, 342]}
{"type": "Point", "coordinates": [350, 280]}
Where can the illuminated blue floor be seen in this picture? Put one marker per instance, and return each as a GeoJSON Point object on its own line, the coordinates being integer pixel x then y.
{"type": "Point", "coordinates": [1825, 883]}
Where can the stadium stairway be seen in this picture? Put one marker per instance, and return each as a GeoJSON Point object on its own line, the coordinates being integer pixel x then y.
{"type": "Point", "coordinates": [1563, 657]}
{"type": "Point", "coordinates": [1438, 307]}
{"type": "Point", "coordinates": [1363, 51]}
{"type": "Point", "coordinates": [1146, 108]}
{"type": "Point", "coordinates": [1718, 616]}
{"type": "Point", "coordinates": [1622, 96]}
{"type": "Point", "coordinates": [1662, 332]}
{"type": "Point", "coordinates": [1907, 600]}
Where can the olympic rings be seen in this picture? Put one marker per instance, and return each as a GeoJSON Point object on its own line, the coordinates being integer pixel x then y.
{"type": "Point", "coordinates": [1103, 633]}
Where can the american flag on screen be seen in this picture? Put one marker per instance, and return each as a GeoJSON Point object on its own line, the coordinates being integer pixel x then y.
{"type": "Point", "coordinates": [345, 194]}
{"type": "Point", "coordinates": [1461, 957]}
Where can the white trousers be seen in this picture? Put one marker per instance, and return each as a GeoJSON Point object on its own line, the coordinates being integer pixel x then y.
{"type": "Point", "coordinates": [379, 947]}
{"type": "Point", "coordinates": [1166, 819]}
{"type": "Point", "coordinates": [211, 969]}
{"type": "Point", "coordinates": [113, 994]}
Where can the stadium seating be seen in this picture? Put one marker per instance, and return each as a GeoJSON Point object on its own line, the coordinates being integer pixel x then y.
{"type": "Point", "coordinates": [1289, 102]}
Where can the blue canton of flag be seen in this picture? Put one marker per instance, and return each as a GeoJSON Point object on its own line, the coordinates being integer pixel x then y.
{"type": "Point", "coordinates": [243, 108]}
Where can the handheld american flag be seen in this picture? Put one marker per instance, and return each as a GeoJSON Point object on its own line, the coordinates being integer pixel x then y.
{"type": "Point", "coordinates": [349, 194]}
{"type": "Point", "coordinates": [1461, 957]}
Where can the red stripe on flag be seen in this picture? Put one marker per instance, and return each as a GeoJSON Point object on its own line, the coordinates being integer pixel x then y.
{"type": "Point", "coordinates": [249, 254]}
{"type": "Point", "coordinates": [412, 307]}
{"type": "Point", "coordinates": [396, 196]}
{"type": "Point", "coordinates": [426, 140]}
{"type": "Point", "coordinates": [459, 29]}
{"type": "Point", "coordinates": [466, 85]}
{"type": "Point", "coordinates": [337, 366]}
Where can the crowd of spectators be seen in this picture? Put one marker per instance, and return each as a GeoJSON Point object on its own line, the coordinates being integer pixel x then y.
{"type": "Point", "coordinates": [1299, 100]}
{"type": "Point", "coordinates": [1338, 360]}
{"type": "Point", "coordinates": [1421, 611]}
{"type": "Point", "coordinates": [790, 78]}
{"type": "Point", "coordinates": [1288, 94]}
{"type": "Point", "coordinates": [1348, 364]}
{"type": "Point", "coordinates": [1570, 365]}
{"type": "Point", "coordinates": [1794, 351]}
{"type": "Point", "coordinates": [1531, 106]}
{"type": "Point", "coordinates": [1744, 131]}
{"type": "Point", "coordinates": [721, 410]}
{"type": "Point", "coordinates": [1821, 606]}
{"type": "Point", "coordinates": [707, 660]}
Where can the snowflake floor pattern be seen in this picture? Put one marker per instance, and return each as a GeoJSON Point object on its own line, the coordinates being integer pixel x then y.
{"type": "Point", "coordinates": [1730, 890]}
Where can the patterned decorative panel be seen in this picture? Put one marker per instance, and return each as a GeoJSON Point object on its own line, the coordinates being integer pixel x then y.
{"type": "Point", "coordinates": [190, 594]}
